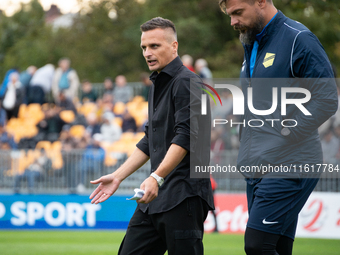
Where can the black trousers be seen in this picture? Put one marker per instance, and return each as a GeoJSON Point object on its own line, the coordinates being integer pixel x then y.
{"type": "Point", "coordinates": [180, 230]}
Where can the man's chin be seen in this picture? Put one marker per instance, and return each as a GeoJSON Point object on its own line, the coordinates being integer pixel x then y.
{"type": "Point", "coordinates": [154, 68]}
{"type": "Point", "coordinates": [246, 39]}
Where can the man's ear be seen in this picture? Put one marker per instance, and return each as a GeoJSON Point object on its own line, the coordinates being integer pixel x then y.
{"type": "Point", "coordinates": [261, 3]}
{"type": "Point", "coordinates": [174, 47]}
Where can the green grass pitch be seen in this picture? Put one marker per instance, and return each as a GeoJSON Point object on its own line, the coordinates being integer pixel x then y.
{"type": "Point", "coordinates": [107, 242]}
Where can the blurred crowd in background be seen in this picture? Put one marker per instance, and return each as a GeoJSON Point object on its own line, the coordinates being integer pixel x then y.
{"type": "Point", "coordinates": [58, 100]}
{"type": "Point", "coordinates": [59, 124]}
{"type": "Point", "coordinates": [70, 120]}
{"type": "Point", "coordinates": [47, 112]}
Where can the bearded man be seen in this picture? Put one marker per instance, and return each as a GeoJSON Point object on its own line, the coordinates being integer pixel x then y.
{"type": "Point", "coordinates": [278, 51]}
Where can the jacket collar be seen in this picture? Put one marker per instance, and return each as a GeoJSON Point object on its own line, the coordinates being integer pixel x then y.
{"type": "Point", "coordinates": [260, 35]}
{"type": "Point", "coordinates": [171, 69]}
{"type": "Point", "coordinates": [270, 29]}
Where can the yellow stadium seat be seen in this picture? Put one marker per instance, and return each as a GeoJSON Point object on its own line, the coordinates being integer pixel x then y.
{"type": "Point", "coordinates": [20, 163]}
{"type": "Point", "coordinates": [57, 161]}
{"type": "Point", "coordinates": [118, 146]}
{"type": "Point", "coordinates": [139, 136]}
{"type": "Point", "coordinates": [56, 146]}
{"type": "Point", "coordinates": [132, 107]}
{"type": "Point", "coordinates": [87, 108]}
{"type": "Point", "coordinates": [46, 145]}
{"type": "Point", "coordinates": [140, 120]}
{"type": "Point", "coordinates": [110, 159]}
{"type": "Point", "coordinates": [119, 108]}
{"type": "Point", "coordinates": [67, 115]}
{"type": "Point", "coordinates": [34, 107]}
{"type": "Point", "coordinates": [138, 111]}
{"type": "Point", "coordinates": [138, 99]}
{"type": "Point", "coordinates": [118, 121]}
{"type": "Point", "coordinates": [55, 155]}
{"type": "Point", "coordinates": [77, 131]}
{"type": "Point", "coordinates": [16, 128]}
{"type": "Point", "coordinates": [130, 147]}
{"type": "Point", "coordinates": [34, 112]}
{"type": "Point", "coordinates": [127, 136]}
{"type": "Point", "coordinates": [22, 111]}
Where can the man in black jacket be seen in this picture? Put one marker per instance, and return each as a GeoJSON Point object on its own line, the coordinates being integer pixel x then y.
{"type": "Point", "coordinates": [171, 213]}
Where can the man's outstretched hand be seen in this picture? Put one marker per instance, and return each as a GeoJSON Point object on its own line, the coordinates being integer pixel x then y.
{"type": "Point", "coordinates": [108, 184]}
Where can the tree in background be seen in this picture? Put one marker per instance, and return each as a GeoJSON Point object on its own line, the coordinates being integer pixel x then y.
{"type": "Point", "coordinates": [104, 38]}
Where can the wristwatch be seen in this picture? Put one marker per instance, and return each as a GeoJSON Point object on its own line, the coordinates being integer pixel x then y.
{"type": "Point", "coordinates": [159, 179]}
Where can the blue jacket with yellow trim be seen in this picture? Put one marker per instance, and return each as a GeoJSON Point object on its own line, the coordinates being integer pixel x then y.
{"type": "Point", "coordinates": [289, 55]}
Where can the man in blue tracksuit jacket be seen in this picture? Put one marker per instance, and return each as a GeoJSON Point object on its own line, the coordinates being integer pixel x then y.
{"type": "Point", "coordinates": [280, 54]}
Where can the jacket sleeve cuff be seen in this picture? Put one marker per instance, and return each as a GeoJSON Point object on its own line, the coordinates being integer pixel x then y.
{"type": "Point", "coordinates": [183, 141]}
{"type": "Point", "coordinates": [143, 145]}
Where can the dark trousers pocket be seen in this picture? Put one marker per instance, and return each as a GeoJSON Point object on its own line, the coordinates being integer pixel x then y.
{"type": "Point", "coordinates": [188, 242]}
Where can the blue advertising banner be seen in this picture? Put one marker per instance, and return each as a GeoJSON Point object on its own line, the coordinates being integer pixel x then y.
{"type": "Point", "coordinates": [64, 212]}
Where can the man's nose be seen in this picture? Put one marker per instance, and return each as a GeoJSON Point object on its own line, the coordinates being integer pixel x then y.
{"type": "Point", "coordinates": [234, 21]}
{"type": "Point", "coordinates": [147, 52]}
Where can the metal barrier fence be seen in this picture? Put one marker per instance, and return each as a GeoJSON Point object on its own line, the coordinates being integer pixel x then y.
{"type": "Point", "coordinates": [137, 88]}
{"type": "Point", "coordinates": [329, 182]}
{"type": "Point", "coordinates": [17, 175]}
{"type": "Point", "coordinates": [31, 172]}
